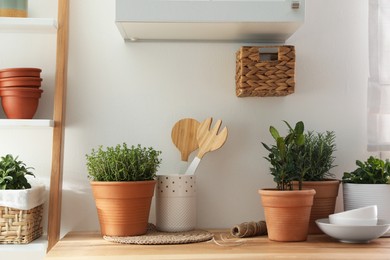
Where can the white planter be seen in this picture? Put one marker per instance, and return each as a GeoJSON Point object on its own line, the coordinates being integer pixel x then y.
{"type": "Point", "coordinates": [23, 199]}
{"type": "Point", "coordinates": [362, 195]}
{"type": "Point", "coordinates": [176, 203]}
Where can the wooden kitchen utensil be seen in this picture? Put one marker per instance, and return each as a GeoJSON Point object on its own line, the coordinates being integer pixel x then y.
{"type": "Point", "coordinates": [208, 140]}
{"type": "Point", "coordinates": [184, 136]}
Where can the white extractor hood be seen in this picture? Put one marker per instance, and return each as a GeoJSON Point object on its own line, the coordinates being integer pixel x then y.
{"type": "Point", "coordinates": [213, 20]}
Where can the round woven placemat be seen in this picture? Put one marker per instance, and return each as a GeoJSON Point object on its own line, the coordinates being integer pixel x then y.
{"type": "Point", "coordinates": [155, 237]}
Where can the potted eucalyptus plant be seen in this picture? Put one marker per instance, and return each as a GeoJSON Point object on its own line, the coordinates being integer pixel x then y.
{"type": "Point", "coordinates": [287, 210]}
{"type": "Point", "coordinates": [368, 185]}
{"type": "Point", "coordinates": [21, 204]}
{"type": "Point", "coordinates": [318, 155]}
{"type": "Point", "coordinates": [123, 181]}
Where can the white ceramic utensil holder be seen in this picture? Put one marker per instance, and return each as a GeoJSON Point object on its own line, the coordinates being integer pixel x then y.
{"type": "Point", "coordinates": [176, 203]}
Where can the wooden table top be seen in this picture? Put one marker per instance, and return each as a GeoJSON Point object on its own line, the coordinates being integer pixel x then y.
{"type": "Point", "coordinates": [83, 246]}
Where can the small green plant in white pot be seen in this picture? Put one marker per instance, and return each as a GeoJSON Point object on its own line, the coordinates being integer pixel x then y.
{"type": "Point", "coordinates": [123, 181]}
{"type": "Point", "coordinates": [368, 185]}
{"type": "Point", "coordinates": [21, 204]}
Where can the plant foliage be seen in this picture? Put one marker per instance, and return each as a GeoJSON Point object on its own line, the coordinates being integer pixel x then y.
{"type": "Point", "coordinates": [13, 173]}
{"type": "Point", "coordinates": [318, 155]}
{"type": "Point", "coordinates": [121, 163]}
{"type": "Point", "coordinates": [372, 171]}
{"type": "Point", "coordinates": [287, 156]}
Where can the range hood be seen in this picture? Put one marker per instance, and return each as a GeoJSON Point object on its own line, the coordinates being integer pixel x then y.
{"type": "Point", "coordinates": [261, 21]}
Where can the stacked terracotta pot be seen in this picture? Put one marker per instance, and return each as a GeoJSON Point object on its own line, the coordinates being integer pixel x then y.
{"type": "Point", "coordinates": [20, 92]}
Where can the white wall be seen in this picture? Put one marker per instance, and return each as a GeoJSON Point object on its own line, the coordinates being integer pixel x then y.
{"type": "Point", "coordinates": [135, 92]}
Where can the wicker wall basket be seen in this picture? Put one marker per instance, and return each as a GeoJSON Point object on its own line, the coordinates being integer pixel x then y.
{"type": "Point", "coordinates": [263, 71]}
{"type": "Point", "coordinates": [20, 226]}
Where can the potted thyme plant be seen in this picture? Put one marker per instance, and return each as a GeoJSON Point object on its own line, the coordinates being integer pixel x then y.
{"type": "Point", "coordinates": [318, 155]}
{"type": "Point", "coordinates": [123, 181]}
{"type": "Point", "coordinates": [21, 204]}
{"type": "Point", "coordinates": [368, 185]}
{"type": "Point", "coordinates": [287, 211]}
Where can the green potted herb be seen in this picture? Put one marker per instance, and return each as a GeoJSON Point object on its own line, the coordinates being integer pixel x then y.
{"type": "Point", "coordinates": [318, 155]}
{"type": "Point", "coordinates": [368, 185]}
{"type": "Point", "coordinates": [21, 204]}
{"type": "Point", "coordinates": [123, 181]}
{"type": "Point", "coordinates": [287, 211]}
{"type": "Point", "coordinates": [13, 173]}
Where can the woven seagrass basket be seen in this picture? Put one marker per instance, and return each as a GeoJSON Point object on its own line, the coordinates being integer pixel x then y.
{"type": "Point", "coordinates": [263, 71]}
{"type": "Point", "coordinates": [20, 226]}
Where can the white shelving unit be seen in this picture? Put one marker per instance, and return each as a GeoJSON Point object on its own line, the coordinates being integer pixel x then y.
{"type": "Point", "coordinates": [36, 25]}
{"type": "Point", "coordinates": [26, 122]}
{"type": "Point", "coordinates": [39, 244]}
{"type": "Point", "coordinates": [37, 248]}
{"type": "Point", "coordinates": [27, 25]}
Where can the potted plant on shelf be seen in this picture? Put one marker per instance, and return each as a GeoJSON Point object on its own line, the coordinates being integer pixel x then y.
{"type": "Point", "coordinates": [287, 211]}
{"type": "Point", "coordinates": [21, 204]}
{"type": "Point", "coordinates": [368, 185]}
{"type": "Point", "coordinates": [123, 181]}
{"type": "Point", "coordinates": [319, 160]}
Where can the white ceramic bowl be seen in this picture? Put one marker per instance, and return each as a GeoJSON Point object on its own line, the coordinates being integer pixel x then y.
{"type": "Point", "coordinates": [369, 212]}
{"type": "Point", "coordinates": [353, 234]}
{"type": "Point", "coordinates": [352, 221]}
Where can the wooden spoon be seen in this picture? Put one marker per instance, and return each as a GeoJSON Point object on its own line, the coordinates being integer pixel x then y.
{"type": "Point", "coordinates": [184, 136]}
{"type": "Point", "coordinates": [208, 140]}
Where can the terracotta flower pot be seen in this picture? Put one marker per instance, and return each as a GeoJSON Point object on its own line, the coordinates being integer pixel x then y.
{"type": "Point", "coordinates": [20, 72]}
{"type": "Point", "coordinates": [324, 202]}
{"type": "Point", "coordinates": [20, 82]}
{"type": "Point", "coordinates": [123, 207]}
{"type": "Point", "coordinates": [287, 213]}
{"type": "Point", "coordinates": [20, 103]}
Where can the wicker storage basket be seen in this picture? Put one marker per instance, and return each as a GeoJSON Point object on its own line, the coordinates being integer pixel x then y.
{"type": "Point", "coordinates": [261, 73]}
{"type": "Point", "coordinates": [20, 226]}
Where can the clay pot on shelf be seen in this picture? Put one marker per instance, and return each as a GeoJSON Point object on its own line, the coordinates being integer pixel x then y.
{"type": "Point", "coordinates": [20, 103]}
{"type": "Point", "coordinates": [123, 206]}
{"type": "Point", "coordinates": [287, 213]}
{"type": "Point", "coordinates": [324, 202]}
{"type": "Point", "coordinates": [20, 72]}
{"type": "Point", "coordinates": [31, 82]}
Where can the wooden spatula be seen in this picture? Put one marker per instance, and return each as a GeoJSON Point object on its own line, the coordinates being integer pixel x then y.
{"type": "Point", "coordinates": [208, 140]}
{"type": "Point", "coordinates": [184, 136]}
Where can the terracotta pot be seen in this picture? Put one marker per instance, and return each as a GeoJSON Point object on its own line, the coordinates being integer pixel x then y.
{"type": "Point", "coordinates": [324, 202]}
{"type": "Point", "coordinates": [20, 72]}
{"type": "Point", "coordinates": [20, 103]}
{"type": "Point", "coordinates": [20, 82]}
{"type": "Point", "coordinates": [287, 213]}
{"type": "Point", "coordinates": [123, 207]}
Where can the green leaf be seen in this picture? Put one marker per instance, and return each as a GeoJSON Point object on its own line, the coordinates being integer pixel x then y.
{"type": "Point", "coordinates": [274, 132]}
{"type": "Point", "coordinates": [282, 147]}
{"type": "Point", "coordinates": [299, 128]}
{"type": "Point", "coordinates": [288, 125]}
{"type": "Point", "coordinates": [300, 140]}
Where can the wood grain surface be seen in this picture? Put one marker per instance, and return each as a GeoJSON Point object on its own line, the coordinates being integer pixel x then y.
{"type": "Point", "coordinates": [83, 246]}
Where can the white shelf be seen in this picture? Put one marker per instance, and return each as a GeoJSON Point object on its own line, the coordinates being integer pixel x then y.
{"type": "Point", "coordinates": [38, 245]}
{"type": "Point", "coordinates": [13, 24]}
{"type": "Point", "coordinates": [27, 122]}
